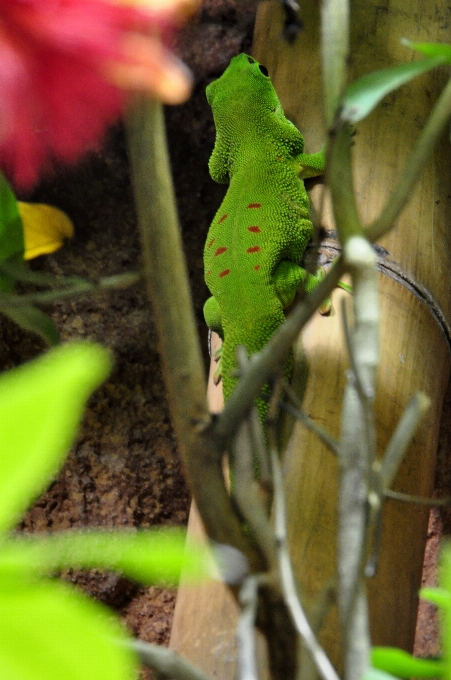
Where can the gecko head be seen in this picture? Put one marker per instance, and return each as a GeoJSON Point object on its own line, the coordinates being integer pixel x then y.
{"type": "Point", "coordinates": [244, 84]}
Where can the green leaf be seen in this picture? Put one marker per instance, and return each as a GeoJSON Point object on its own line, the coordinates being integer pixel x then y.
{"type": "Point", "coordinates": [12, 245]}
{"type": "Point", "coordinates": [403, 665]}
{"type": "Point", "coordinates": [146, 556]}
{"type": "Point", "coordinates": [430, 49]}
{"type": "Point", "coordinates": [32, 319]}
{"type": "Point", "coordinates": [363, 95]}
{"type": "Point", "coordinates": [50, 632]}
{"type": "Point", "coordinates": [439, 596]}
{"type": "Point", "coordinates": [41, 405]}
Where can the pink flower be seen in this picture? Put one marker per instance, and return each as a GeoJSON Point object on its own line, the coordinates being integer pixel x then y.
{"type": "Point", "coordinates": [65, 66]}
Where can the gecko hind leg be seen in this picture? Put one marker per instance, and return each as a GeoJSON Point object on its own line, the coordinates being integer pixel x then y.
{"type": "Point", "coordinates": [289, 276]}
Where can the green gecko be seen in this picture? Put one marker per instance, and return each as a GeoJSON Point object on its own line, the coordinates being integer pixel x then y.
{"type": "Point", "coordinates": [262, 227]}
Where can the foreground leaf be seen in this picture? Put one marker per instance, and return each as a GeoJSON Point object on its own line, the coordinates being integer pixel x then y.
{"type": "Point", "coordinates": [153, 556]}
{"type": "Point", "coordinates": [404, 665]}
{"type": "Point", "coordinates": [430, 49]}
{"type": "Point", "coordinates": [363, 95]}
{"type": "Point", "coordinates": [50, 632]}
{"type": "Point", "coordinates": [32, 319]}
{"type": "Point", "coordinates": [41, 405]}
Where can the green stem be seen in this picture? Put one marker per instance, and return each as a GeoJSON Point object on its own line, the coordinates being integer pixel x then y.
{"type": "Point", "coordinates": [335, 51]}
{"type": "Point", "coordinates": [340, 181]}
{"type": "Point", "coordinates": [80, 287]}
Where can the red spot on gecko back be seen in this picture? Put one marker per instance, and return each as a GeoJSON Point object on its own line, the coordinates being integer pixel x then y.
{"type": "Point", "coordinates": [254, 205]}
{"type": "Point", "coordinates": [220, 250]}
{"type": "Point", "coordinates": [257, 267]}
{"type": "Point", "coordinates": [224, 217]}
{"type": "Point", "coordinates": [211, 242]}
{"type": "Point", "coordinates": [253, 249]}
{"type": "Point", "coordinates": [224, 273]}
{"type": "Point", "coordinates": [254, 230]}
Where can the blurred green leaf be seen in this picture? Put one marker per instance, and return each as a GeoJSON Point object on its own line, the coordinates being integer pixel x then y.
{"type": "Point", "coordinates": [363, 95]}
{"type": "Point", "coordinates": [439, 596]}
{"type": "Point", "coordinates": [430, 49]}
{"type": "Point", "coordinates": [32, 319]}
{"type": "Point", "coordinates": [404, 665]}
{"type": "Point", "coordinates": [50, 632]}
{"type": "Point", "coordinates": [146, 556]}
{"type": "Point", "coordinates": [41, 405]}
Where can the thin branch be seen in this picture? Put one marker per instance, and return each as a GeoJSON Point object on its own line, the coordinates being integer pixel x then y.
{"type": "Point", "coordinates": [335, 51]}
{"type": "Point", "coordinates": [297, 412]}
{"type": "Point", "coordinates": [365, 391]}
{"type": "Point", "coordinates": [245, 632]}
{"type": "Point", "coordinates": [164, 662]}
{"type": "Point", "coordinates": [384, 473]}
{"type": "Point", "coordinates": [365, 387]}
{"type": "Point", "coordinates": [247, 497]}
{"type": "Point", "coordinates": [419, 500]}
{"type": "Point", "coordinates": [260, 449]}
{"type": "Point", "coordinates": [402, 437]}
{"type": "Point", "coordinates": [20, 272]}
{"type": "Point", "coordinates": [72, 289]}
{"type": "Point", "coordinates": [246, 488]}
{"type": "Point", "coordinates": [320, 658]}
{"type": "Point", "coordinates": [357, 452]}
{"type": "Point", "coordinates": [340, 181]}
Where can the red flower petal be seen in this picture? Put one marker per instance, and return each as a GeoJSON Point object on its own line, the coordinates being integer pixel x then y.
{"type": "Point", "coordinates": [63, 64]}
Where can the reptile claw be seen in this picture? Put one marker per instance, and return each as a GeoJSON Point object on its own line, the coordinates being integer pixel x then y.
{"type": "Point", "coordinates": [217, 376]}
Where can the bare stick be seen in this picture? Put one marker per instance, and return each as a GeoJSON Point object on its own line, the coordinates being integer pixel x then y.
{"type": "Point", "coordinates": [320, 658]}
{"type": "Point", "coordinates": [407, 498]}
{"type": "Point", "coordinates": [164, 662]}
{"type": "Point", "coordinates": [70, 289]}
{"type": "Point", "coordinates": [246, 494]}
{"type": "Point", "coordinates": [246, 630]}
{"type": "Point", "coordinates": [308, 422]}
{"type": "Point", "coordinates": [402, 436]}
{"type": "Point", "coordinates": [357, 450]}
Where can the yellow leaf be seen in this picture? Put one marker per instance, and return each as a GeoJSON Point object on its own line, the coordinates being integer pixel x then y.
{"type": "Point", "coordinates": [45, 228]}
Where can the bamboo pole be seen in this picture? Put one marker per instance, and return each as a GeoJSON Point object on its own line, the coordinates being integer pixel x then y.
{"type": "Point", "coordinates": [415, 355]}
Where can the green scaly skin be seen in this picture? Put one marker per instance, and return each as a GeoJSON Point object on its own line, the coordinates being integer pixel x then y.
{"type": "Point", "coordinates": [262, 228]}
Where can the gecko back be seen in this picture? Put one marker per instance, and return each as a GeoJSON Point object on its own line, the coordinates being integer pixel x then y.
{"type": "Point", "coordinates": [261, 229]}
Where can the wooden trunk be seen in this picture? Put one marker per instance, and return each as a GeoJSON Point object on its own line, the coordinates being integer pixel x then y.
{"type": "Point", "coordinates": [415, 355]}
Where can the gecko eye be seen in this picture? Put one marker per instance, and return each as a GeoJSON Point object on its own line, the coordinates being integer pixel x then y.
{"type": "Point", "coordinates": [264, 70]}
